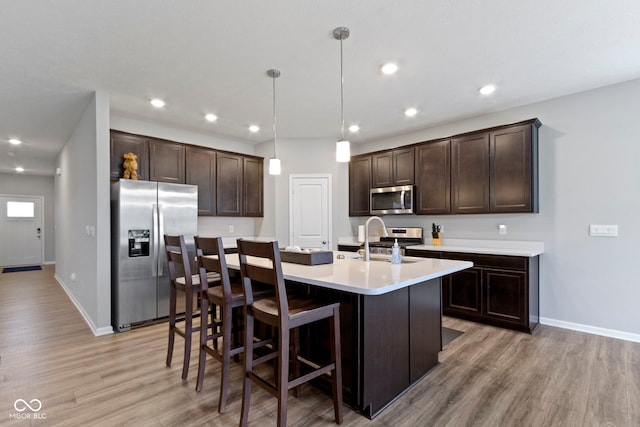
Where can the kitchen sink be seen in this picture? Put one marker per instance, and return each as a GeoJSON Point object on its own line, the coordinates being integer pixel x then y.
{"type": "Point", "coordinates": [378, 258]}
{"type": "Point", "coordinates": [388, 259]}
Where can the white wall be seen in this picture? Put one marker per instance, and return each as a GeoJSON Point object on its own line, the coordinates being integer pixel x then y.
{"type": "Point", "coordinates": [82, 200]}
{"type": "Point", "coordinates": [303, 156]}
{"type": "Point", "coordinates": [31, 185]}
{"type": "Point", "coordinates": [589, 152]}
{"type": "Point", "coordinates": [142, 127]}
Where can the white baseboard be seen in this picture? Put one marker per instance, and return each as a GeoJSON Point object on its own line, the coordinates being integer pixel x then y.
{"type": "Point", "coordinates": [591, 329]}
{"type": "Point", "coordinates": [96, 331]}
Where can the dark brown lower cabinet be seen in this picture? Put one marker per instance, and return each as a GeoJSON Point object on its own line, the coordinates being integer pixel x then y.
{"type": "Point", "coordinates": [389, 342]}
{"type": "Point", "coordinates": [498, 290]}
{"type": "Point", "coordinates": [465, 295]}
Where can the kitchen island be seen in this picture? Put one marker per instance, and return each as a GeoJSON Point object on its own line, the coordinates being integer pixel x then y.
{"type": "Point", "coordinates": [390, 321]}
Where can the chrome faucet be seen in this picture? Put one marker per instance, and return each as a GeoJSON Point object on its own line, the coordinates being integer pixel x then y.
{"type": "Point", "coordinates": [367, 256]}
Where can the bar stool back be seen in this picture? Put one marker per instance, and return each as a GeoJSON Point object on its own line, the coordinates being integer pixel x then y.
{"type": "Point", "coordinates": [228, 297]}
{"type": "Point", "coordinates": [189, 285]}
{"type": "Point", "coordinates": [260, 263]}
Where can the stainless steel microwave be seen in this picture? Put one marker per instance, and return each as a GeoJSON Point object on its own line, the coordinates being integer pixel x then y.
{"type": "Point", "coordinates": [392, 200]}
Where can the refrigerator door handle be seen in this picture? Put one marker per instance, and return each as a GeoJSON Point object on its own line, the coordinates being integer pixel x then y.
{"type": "Point", "coordinates": [160, 258]}
{"type": "Point", "coordinates": [155, 243]}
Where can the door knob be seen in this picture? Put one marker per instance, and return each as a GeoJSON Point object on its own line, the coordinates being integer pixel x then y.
{"type": "Point", "coordinates": [324, 242]}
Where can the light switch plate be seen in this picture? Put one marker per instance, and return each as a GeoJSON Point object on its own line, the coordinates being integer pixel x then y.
{"type": "Point", "coordinates": [603, 230]}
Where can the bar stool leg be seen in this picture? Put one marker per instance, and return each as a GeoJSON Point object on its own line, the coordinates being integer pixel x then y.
{"type": "Point", "coordinates": [204, 330]}
{"type": "Point", "coordinates": [248, 369]}
{"type": "Point", "coordinates": [172, 324]}
{"type": "Point", "coordinates": [336, 375]}
{"type": "Point", "coordinates": [283, 375]}
{"type": "Point", "coordinates": [295, 363]}
{"type": "Point", "coordinates": [226, 316]}
{"type": "Point", "coordinates": [188, 323]}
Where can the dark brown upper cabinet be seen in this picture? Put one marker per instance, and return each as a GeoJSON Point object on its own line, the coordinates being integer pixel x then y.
{"type": "Point", "coordinates": [229, 184]}
{"type": "Point", "coordinates": [239, 185]}
{"type": "Point", "coordinates": [393, 167]}
{"type": "Point", "coordinates": [201, 171]}
{"type": "Point", "coordinates": [122, 143]}
{"type": "Point", "coordinates": [470, 173]}
{"type": "Point", "coordinates": [166, 161]}
{"type": "Point", "coordinates": [514, 169]}
{"type": "Point", "coordinates": [491, 170]}
{"type": "Point", "coordinates": [253, 194]}
{"type": "Point", "coordinates": [359, 185]}
{"type": "Point", "coordinates": [433, 178]}
{"type": "Point", "coordinates": [496, 171]}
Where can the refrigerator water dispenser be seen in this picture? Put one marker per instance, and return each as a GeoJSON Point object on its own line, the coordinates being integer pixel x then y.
{"type": "Point", "coordinates": [138, 243]}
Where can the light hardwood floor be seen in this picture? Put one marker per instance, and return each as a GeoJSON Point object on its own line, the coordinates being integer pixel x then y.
{"type": "Point", "coordinates": [487, 376]}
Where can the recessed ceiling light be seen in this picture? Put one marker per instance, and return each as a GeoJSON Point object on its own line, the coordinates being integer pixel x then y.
{"type": "Point", "coordinates": [254, 128]}
{"type": "Point", "coordinates": [211, 117]}
{"type": "Point", "coordinates": [158, 103]}
{"type": "Point", "coordinates": [389, 68]}
{"type": "Point", "coordinates": [354, 128]}
{"type": "Point", "coordinates": [410, 112]}
{"type": "Point", "coordinates": [19, 169]}
{"type": "Point", "coordinates": [15, 141]}
{"type": "Point", "coordinates": [487, 90]}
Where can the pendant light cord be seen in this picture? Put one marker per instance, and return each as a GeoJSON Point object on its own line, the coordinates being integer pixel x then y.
{"type": "Point", "coordinates": [274, 117]}
{"type": "Point", "coordinates": [341, 89]}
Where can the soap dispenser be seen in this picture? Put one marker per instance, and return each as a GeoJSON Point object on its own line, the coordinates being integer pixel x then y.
{"type": "Point", "coordinates": [395, 253]}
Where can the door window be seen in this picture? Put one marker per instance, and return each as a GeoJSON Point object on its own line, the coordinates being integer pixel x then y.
{"type": "Point", "coordinates": [20, 209]}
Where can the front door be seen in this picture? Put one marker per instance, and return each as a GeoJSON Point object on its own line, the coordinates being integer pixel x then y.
{"type": "Point", "coordinates": [310, 211]}
{"type": "Point", "coordinates": [21, 230]}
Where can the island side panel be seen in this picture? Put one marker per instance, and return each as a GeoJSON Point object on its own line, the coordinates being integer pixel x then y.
{"type": "Point", "coordinates": [385, 351]}
{"type": "Point", "coordinates": [425, 327]}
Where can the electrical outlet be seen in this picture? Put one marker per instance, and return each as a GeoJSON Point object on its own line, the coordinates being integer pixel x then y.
{"type": "Point", "coordinates": [231, 229]}
{"type": "Point", "coordinates": [603, 230]}
{"type": "Point", "coordinates": [502, 229]}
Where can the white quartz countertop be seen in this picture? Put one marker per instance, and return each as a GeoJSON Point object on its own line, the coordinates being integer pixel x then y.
{"type": "Point", "coordinates": [475, 246]}
{"type": "Point", "coordinates": [491, 247]}
{"type": "Point", "coordinates": [352, 274]}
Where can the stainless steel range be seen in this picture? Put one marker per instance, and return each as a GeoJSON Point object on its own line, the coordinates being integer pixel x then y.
{"type": "Point", "coordinates": [406, 236]}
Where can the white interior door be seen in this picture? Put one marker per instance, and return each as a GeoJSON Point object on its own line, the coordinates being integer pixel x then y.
{"type": "Point", "coordinates": [310, 211]}
{"type": "Point", "coordinates": [21, 230]}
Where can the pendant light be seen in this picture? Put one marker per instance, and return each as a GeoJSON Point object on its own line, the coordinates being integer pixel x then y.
{"type": "Point", "coordinates": [343, 150]}
{"type": "Point", "coordinates": [274, 162]}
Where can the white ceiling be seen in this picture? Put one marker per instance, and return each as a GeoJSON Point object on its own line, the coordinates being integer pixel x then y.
{"type": "Point", "coordinates": [212, 56]}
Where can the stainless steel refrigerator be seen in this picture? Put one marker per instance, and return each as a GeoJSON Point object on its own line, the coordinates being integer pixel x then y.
{"type": "Point", "coordinates": [142, 212]}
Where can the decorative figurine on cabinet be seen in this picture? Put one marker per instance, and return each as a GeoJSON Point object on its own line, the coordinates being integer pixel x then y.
{"type": "Point", "coordinates": [130, 165]}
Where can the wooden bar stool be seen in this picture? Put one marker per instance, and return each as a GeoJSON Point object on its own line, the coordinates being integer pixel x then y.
{"type": "Point", "coordinates": [182, 280]}
{"type": "Point", "coordinates": [229, 297]}
{"type": "Point", "coordinates": [260, 263]}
